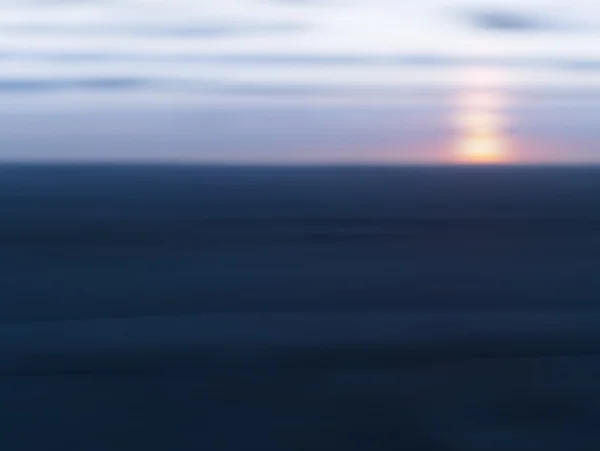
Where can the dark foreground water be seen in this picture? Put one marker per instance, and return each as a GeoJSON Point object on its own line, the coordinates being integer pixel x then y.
{"type": "Point", "coordinates": [347, 308]}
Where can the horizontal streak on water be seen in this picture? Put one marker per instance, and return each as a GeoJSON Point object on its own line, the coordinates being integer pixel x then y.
{"type": "Point", "coordinates": [291, 340]}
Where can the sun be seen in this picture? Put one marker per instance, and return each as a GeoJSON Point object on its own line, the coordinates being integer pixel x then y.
{"type": "Point", "coordinates": [481, 128]}
{"type": "Point", "coordinates": [481, 116]}
{"type": "Point", "coordinates": [482, 149]}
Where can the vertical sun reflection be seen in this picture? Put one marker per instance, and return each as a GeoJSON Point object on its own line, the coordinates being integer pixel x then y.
{"type": "Point", "coordinates": [481, 122]}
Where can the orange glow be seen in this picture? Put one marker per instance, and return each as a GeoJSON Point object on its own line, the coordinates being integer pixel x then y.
{"type": "Point", "coordinates": [482, 149]}
{"type": "Point", "coordinates": [480, 121]}
{"type": "Point", "coordinates": [480, 137]}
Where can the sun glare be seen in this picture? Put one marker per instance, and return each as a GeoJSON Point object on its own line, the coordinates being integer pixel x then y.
{"type": "Point", "coordinates": [480, 120]}
{"type": "Point", "coordinates": [480, 138]}
{"type": "Point", "coordinates": [482, 149]}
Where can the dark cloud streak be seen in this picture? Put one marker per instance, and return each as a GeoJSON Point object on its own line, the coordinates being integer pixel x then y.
{"type": "Point", "coordinates": [351, 61]}
{"type": "Point", "coordinates": [508, 21]}
{"type": "Point", "coordinates": [95, 84]}
{"type": "Point", "coordinates": [200, 86]}
{"type": "Point", "coordinates": [274, 90]}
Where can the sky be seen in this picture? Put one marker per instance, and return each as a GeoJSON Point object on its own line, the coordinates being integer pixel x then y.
{"type": "Point", "coordinates": [300, 81]}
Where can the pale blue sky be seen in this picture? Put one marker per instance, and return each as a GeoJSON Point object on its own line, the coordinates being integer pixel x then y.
{"type": "Point", "coordinates": [293, 80]}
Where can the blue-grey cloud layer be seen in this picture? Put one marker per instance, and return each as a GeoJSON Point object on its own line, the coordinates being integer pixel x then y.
{"type": "Point", "coordinates": [198, 30]}
{"type": "Point", "coordinates": [177, 37]}
{"type": "Point", "coordinates": [510, 21]}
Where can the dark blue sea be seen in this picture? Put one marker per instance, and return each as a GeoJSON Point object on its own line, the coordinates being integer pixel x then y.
{"type": "Point", "coordinates": [307, 308]}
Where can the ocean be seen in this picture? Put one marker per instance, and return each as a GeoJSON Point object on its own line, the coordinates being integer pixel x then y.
{"type": "Point", "coordinates": [299, 308]}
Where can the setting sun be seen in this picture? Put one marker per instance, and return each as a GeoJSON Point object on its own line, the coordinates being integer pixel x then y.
{"type": "Point", "coordinates": [480, 123]}
{"type": "Point", "coordinates": [480, 137]}
{"type": "Point", "coordinates": [481, 119]}
{"type": "Point", "coordinates": [482, 149]}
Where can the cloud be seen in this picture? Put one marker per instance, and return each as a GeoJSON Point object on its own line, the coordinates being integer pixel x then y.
{"type": "Point", "coordinates": [200, 86]}
{"type": "Point", "coordinates": [199, 30]}
{"type": "Point", "coordinates": [319, 90]}
{"type": "Point", "coordinates": [43, 2]}
{"type": "Point", "coordinates": [417, 61]}
{"type": "Point", "coordinates": [338, 3]}
{"type": "Point", "coordinates": [281, 90]}
{"type": "Point", "coordinates": [301, 2]}
{"type": "Point", "coordinates": [516, 21]}
{"type": "Point", "coordinates": [96, 84]}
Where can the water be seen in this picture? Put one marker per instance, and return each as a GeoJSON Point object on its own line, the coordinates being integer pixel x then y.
{"type": "Point", "coordinates": [82, 241]}
{"type": "Point", "coordinates": [153, 307]}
